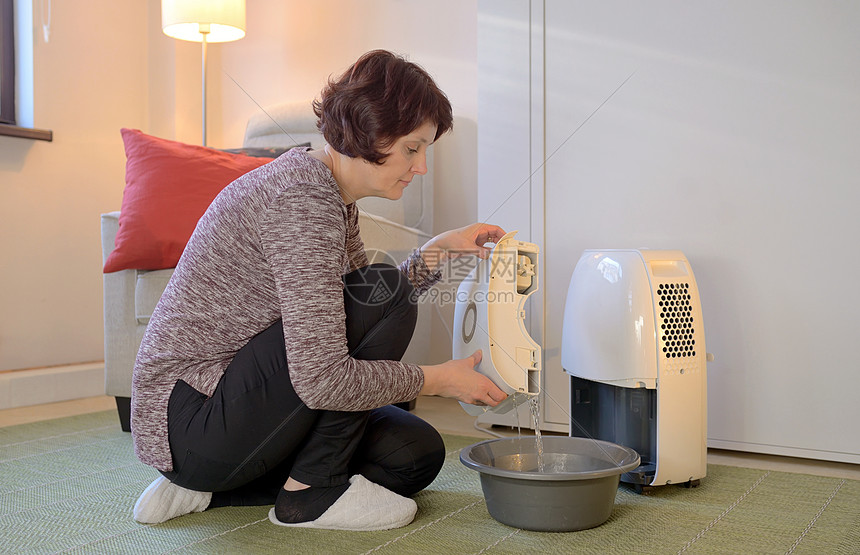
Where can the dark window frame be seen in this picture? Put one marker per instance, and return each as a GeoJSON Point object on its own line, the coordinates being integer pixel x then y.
{"type": "Point", "coordinates": [8, 126]}
{"type": "Point", "coordinates": [7, 62]}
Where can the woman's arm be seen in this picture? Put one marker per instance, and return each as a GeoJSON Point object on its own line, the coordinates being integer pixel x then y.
{"type": "Point", "coordinates": [457, 379]}
{"type": "Point", "coordinates": [467, 240]}
{"type": "Point", "coordinates": [354, 244]}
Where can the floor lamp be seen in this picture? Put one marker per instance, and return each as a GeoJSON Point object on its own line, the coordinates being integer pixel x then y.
{"type": "Point", "coordinates": [203, 21]}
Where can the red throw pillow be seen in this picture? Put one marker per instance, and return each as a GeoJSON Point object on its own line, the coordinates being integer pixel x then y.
{"type": "Point", "coordinates": [168, 187]}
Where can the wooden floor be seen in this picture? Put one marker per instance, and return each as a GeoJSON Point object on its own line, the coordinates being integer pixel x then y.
{"type": "Point", "coordinates": [447, 416]}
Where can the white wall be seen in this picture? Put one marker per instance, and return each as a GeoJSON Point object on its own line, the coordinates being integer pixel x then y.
{"type": "Point", "coordinates": [108, 65]}
{"type": "Point", "coordinates": [88, 83]}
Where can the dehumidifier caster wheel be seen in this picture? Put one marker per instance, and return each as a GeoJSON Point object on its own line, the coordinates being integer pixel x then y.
{"type": "Point", "coordinates": [642, 489]}
{"type": "Point", "coordinates": [692, 483]}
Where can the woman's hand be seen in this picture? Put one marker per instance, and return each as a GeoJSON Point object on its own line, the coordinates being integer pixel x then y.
{"type": "Point", "coordinates": [460, 242]}
{"type": "Point", "coordinates": [457, 379]}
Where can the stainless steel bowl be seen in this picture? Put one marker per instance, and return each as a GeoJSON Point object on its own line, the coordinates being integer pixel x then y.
{"type": "Point", "coordinates": [575, 491]}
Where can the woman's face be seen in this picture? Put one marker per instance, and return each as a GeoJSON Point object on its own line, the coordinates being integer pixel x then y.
{"type": "Point", "coordinates": [407, 157]}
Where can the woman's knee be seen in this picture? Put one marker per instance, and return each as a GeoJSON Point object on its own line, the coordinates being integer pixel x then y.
{"type": "Point", "coordinates": [429, 457]}
{"type": "Point", "coordinates": [401, 451]}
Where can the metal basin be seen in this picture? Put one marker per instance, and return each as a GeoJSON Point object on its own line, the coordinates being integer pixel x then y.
{"type": "Point", "coordinates": [575, 491]}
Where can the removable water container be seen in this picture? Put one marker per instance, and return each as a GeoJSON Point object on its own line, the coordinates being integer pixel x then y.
{"type": "Point", "coordinates": [490, 315]}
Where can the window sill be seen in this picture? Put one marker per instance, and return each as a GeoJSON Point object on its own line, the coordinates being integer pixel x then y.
{"type": "Point", "coordinates": [26, 132]}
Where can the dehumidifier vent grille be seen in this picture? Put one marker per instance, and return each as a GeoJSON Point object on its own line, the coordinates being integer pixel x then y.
{"type": "Point", "coordinates": [676, 320]}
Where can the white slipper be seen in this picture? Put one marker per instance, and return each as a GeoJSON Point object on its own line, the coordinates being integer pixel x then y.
{"type": "Point", "coordinates": [164, 500]}
{"type": "Point", "coordinates": [364, 506]}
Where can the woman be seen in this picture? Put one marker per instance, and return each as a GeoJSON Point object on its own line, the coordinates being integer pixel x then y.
{"type": "Point", "coordinates": [268, 368]}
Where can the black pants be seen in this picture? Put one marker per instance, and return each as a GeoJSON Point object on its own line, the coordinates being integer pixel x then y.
{"type": "Point", "coordinates": [254, 432]}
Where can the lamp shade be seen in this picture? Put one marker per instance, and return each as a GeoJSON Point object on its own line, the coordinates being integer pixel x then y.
{"type": "Point", "coordinates": [218, 20]}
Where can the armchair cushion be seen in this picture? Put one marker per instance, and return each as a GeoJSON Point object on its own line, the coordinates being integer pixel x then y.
{"type": "Point", "coordinates": [148, 288]}
{"type": "Point", "coordinates": [168, 187]}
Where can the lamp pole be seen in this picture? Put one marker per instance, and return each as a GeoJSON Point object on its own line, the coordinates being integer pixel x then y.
{"type": "Point", "coordinates": [203, 21]}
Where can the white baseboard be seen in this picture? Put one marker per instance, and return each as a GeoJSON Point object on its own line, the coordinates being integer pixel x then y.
{"type": "Point", "coordinates": [22, 388]}
{"type": "Point", "coordinates": [834, 456]}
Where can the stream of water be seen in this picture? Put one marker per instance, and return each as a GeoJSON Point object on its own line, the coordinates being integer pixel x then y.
{"type": "Point", "coordinates": [517, 413]}
{"type": "Point", "coordinates": [535, 410]}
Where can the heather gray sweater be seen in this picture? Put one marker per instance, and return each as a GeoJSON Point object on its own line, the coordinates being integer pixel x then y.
{"type": "Point", "coordinates": [273, 244]}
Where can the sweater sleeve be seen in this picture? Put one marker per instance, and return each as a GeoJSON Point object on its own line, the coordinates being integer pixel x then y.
{"type": "Point", "coordinates": [418, 273]}
{"type": "Point", "coordinates": [354, 244]}
{"type": "Point", "coordinates": [303, 237]}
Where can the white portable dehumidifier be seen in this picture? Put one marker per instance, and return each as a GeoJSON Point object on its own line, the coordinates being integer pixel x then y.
{"type": "Point", "coordinates": [634, 345]}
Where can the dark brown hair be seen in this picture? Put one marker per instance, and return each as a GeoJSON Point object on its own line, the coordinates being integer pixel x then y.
{"type": "Point", "coordinates": [381, 98]}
